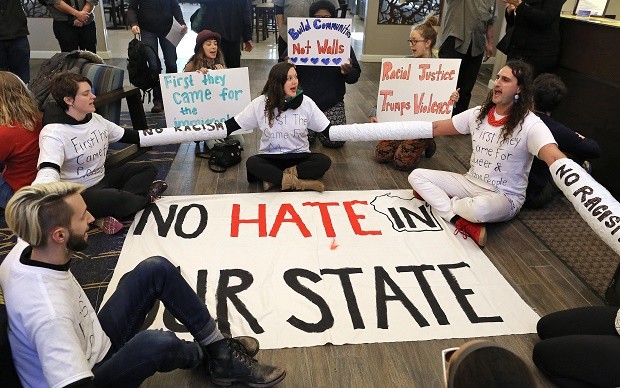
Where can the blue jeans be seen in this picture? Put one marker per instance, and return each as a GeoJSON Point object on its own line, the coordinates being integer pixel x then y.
{"type": "Point", "coordinates": [170, 55]}
{"type": "Point", "coordinates": [15, 57]}
{"type": "Point", "coordinates": [135, 355]}
{"type": "Point", "coordinates": [6, 192]}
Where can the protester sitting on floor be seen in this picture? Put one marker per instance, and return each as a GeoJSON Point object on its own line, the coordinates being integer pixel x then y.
{"type": "Point", "coordinates": [326, 85]}
{"type": "Point", "coordinates": [284, 115]}
{"type": "Point", "coordinates": [20, 124]}
{"type": "Point", "coordinates": [549, 90]}
{"type": "Point", "coordinates": [580, 347]}
{"type": "Point", "coordinates": [74, 145]}
{"type": "Point", "coordinates": [208, 56]}
{"type": "Point", "coordinates": [505, 135]}
{"type": "Point", "coordinates": [58, 340]}
{"type": "Point", "coordinates": [406, 154]}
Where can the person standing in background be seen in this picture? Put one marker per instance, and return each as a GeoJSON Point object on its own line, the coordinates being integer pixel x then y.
{"type": "Point", "coordinates": [14, 45]}
{"type": "Point", "coordinates": [74, 24]}
{"type": "Point", "coordinates": [153, 21]}
{"type": "Point", "coordinates": [291, 9]}
{"type": "Point", "coordinates": [536, 33]}
{"type": "Point", "coordinates": [468, 35]}
{"type": "Point", "coordinates": [232, 19]}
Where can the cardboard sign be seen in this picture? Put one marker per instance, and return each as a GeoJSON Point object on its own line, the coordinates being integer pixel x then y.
{"type": "Point", "coordinates": [197, 99]}
{"type": "Point", "coordinates": [416, 89]}
{"type": "Point", "coordinates": [319, 42]}
{"type": "Point", "coordinates": [304, 269]}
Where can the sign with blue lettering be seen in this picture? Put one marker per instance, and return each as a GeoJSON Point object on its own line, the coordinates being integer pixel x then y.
{"type": "Point", "coordinates": [416, 89]}
{"type": "Point", "coordinates": [319, 42]}
{"type": "Point", "coordinates": [195, 98]}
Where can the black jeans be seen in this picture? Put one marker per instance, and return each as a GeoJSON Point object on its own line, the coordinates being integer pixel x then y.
{"type": "Point", "coordinates": [268, 168]}
{"type": "Point", "coordinates": [468, 72]}
{"type": "Point", "coordinates": [15, 57]}
{"type": "Point", "coordinates": [232, 53]}
{"type": "Point", "coordinates": [580, 347]}
{"type": "Point", "coordinates": [75, 38]}
{"type": "Point", "coordinates": [121, 192]}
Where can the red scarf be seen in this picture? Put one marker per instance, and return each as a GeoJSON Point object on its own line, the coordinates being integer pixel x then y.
{"type": "Point", "coordinates": [493, 121]}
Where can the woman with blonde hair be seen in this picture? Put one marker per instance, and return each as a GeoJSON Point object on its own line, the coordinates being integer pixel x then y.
{"type": "Point", "coordinates": [20, 124]}
{"type": "Point", "coordinates": [406, 154]}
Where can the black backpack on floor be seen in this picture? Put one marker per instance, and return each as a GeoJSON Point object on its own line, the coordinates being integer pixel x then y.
{"type": "Point", "coordinates": [142, 75]}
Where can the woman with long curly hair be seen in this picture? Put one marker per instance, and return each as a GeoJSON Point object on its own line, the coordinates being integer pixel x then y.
{"type": "Point", "coordinates": [284, 115]}
{"type": "Point", "coordinates": [506, 136]}
{"type": "Point", "coordinates": [20, 125]}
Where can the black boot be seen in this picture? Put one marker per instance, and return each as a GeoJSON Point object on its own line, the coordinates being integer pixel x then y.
{"type": "Point", "coordinates": [248, 345]}
{"type": "Point", "coordinates": [227, 364]}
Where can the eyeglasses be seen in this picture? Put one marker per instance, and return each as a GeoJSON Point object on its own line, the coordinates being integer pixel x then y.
{"type": "Point", "coordinates": [414, 41]}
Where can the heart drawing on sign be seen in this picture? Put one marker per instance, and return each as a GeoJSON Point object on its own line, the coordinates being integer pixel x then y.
{"type": "Point", "coordinates": [337, 60]}
{"type": "Point", "coordinates": [303, 60]}
{"type": "Point", "coordinates": [294, 59]}
{"type": "Point", "coordinates": [325, 61]}
{"type": "Point", "coordinates": [314, 60]}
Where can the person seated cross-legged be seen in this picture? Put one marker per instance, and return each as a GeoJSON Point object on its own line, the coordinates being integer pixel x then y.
{"type": "Point", "coordinates": [58, 340]}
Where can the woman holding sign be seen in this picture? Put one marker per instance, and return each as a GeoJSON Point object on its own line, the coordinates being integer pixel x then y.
{"type": "Point", "coordinates": [208, 56]}
{"type": "Point", "coordinates": [284, 115]}
{"type": "Point", "coordinates": [406, 154]}
{"type": "Point", "coordinates": [327, 85]}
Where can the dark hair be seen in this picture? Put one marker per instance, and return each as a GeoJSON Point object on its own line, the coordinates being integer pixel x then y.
{"type": "Point", "coordinates": [322, 4]}
{"type": "Point", "coordinates": [523, 72]}
{"type": "Point", "coordinates": [66, 85]}
{"type": "Point", "coordinates": [427, 30]}
{"type": "Point", "coordinates": [549, 90]}
{"type": "Point", "coordinates": [274, 90]}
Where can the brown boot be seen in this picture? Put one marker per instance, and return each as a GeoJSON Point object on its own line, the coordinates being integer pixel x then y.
{"type": "Point", "coordinates": [290, 181]}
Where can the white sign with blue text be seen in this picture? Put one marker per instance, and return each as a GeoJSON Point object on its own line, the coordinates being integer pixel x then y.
{"type": "Point", "coordinates": [319, 41]}
{"type": "Point", "coordinates": [195, 98]}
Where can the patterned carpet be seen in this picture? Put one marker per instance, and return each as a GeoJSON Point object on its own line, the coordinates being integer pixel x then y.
{"type": "Point", "coordinates": [568, 236]}
{"type": "Point", "coordinates": [94, 266]}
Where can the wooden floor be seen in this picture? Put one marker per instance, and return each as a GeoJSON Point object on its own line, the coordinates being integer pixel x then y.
{"type": "Point", "coordinates": [538, 276]}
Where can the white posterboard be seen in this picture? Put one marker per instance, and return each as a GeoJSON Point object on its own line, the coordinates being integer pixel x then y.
{"type": "Point", "coordinates": [196, 99]}
{"type": "Point", "coordinates": [416, 89]}
{"type": "Point", "coordinates": [319, 42]}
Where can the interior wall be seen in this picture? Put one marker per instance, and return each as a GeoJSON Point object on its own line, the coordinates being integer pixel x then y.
{"type": "Point", "coordinates": [43, 43]}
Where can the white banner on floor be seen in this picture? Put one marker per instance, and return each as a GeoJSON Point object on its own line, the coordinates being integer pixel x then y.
{"type": "Point", "coordinates": [306, 268]}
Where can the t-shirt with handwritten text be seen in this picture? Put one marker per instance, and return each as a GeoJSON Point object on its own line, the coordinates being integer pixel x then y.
{"type": "Point", "coordinates": [289, 131]}
{"type": "Point", "coordinates": [505, 164]}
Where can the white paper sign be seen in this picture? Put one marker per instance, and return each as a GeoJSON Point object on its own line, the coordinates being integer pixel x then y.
{"type": "Point", "coordinates": [196, 99]}
{"type": "Point", "coordinates": [416, 89]}
{"type": "Point", "coordinates": [304, 269]}
{"type": "Point", "coordinates": [176, 33]}
{"type": "Point", "coordinates": [319, 42]}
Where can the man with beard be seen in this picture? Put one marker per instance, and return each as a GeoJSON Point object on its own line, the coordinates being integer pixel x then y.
{"type": "Point", "coordinates": [506, 136]}
{"type": "Point", "coordinates": [58, 340]}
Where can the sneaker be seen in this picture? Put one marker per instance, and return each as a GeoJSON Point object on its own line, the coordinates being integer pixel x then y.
{"type": "Point", "coordinates": [227, 364]}
{"type": "Point", "coordinates": [110, 225]}
{"type": "Point", "coordinates": [587, 166]}
{"type": "Point", "coordinates": [477, 232]}
{"type": "Point", "coordinates": [156, 189]}
{"type": "Point", "coordinates": [158, 107]}
{"type": "Point", "coordinates": [430, 149]}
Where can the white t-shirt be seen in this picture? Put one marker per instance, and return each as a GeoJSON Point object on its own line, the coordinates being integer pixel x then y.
{"type": "Point", "coordinates": [289, 133]}
{"type": "Point", "coordinates": [503, 164]}
{"type": "Point", "coordinates": [80, 150]}
{"type": "Point", "coordinates": [54, 332]}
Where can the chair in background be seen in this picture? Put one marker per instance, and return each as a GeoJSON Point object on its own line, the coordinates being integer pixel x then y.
{"type": "Point", "coordinates": [264, 20]}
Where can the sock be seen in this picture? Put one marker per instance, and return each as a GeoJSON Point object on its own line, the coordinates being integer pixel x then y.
{"type": "Point", "coordinates": [215, 336]}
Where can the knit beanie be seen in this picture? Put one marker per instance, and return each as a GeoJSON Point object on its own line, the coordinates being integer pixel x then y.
{"type": "Point", "coordinates": [205, 35]}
